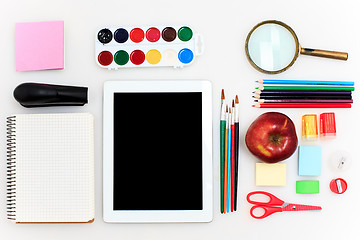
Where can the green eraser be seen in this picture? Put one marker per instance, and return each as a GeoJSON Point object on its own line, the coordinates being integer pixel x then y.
{"type": "Point", "coordinates": [309, 186]}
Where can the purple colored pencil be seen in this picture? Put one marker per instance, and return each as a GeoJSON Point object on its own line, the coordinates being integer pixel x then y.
{"type": "Point", "coordinates": [305, 101]}
{"type": "Point", "coordinates": [270, 92]}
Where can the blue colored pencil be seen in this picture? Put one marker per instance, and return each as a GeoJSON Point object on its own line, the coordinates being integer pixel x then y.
{"type": "Point", "coordinates": [229, 168]}
{"type": "Point", "coordinates": [306, 82]}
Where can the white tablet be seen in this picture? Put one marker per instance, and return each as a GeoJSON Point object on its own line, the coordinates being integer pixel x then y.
{"type": "Point", "coordinates": [157, 164]}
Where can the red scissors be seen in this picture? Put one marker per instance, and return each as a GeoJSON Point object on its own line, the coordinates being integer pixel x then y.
{"type": "Point", "coordinates": [269, 207]}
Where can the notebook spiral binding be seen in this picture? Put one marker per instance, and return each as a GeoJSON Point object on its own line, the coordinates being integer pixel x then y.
{"type": "Point", "coordinates": [11, 166]}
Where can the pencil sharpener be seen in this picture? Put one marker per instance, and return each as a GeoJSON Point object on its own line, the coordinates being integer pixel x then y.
{"type": "Point", "coordinates": [340, 161]}
{"type": "Point", "coordinates": [327, 125]}
{"type": "Point", "coordinates": [338, 185]}
{"type": "Point", "coordinates": [309, 127]}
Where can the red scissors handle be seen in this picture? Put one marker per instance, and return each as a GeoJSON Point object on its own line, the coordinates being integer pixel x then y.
{"type": "Point", "coordinates": [266, 211]}
{"type": "Point", "coordinates": [273, 201]}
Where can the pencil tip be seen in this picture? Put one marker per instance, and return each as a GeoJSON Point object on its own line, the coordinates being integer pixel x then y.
{"type": "Point", "coordinates": [236, 99]}
{"type": "Point", "coordinates": [222, 94]}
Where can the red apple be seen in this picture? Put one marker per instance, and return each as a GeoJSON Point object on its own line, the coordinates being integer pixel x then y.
{"type": "Point", "coordinates": [272, 137]}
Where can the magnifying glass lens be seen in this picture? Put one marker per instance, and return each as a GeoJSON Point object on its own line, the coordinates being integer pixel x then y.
{"type": "Point", "coordinates": [272, 47]}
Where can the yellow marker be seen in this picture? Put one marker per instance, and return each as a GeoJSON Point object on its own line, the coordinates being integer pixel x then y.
{"type": "Point", "coordinates": [309, 127]}
{"type": "Point", "coordinates": [153, 56]}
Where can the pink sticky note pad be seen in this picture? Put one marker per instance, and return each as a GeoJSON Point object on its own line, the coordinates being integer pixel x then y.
{"type": "Point", "coordinates": [39, 45]}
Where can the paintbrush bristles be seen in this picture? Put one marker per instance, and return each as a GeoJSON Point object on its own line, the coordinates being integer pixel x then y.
{"type": "Point", "coordinates": [236, 99]}
{"type": "Point", "coordinates": [222, 94]}
{"type": "Point", "coordinates": [233, 103]}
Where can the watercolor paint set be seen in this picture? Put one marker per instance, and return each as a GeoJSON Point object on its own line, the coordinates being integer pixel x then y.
{"type": "Point", "coordinates": [148, 46]}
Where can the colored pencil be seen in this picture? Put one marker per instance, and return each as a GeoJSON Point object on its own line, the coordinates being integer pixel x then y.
{"type": "Point", "coordinates": [222, 155]}
{"type": "Point", "coordinates": [305, 88]}
{"type": "Point", "coordinates": [229, 165]}
{"type": "Point", "coordinates": [232, 154]}
{"type": "Point", "coordinates": [225, 157]}
{"type": "Point", "coordinates": [306, 82]}
{"type": "Point", "coordinates": [272, 92]}
{"type": "Point", "coordinates": [303, 97]}
{"type": "Point", "coordinates": [303, 105]}
{"type": "Point", "coordinates": [236, 150]}
{"type": "Point", "coordinates": [304, 101]}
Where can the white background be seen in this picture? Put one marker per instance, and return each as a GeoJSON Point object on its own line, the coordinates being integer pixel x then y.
{"type": "Point", "coordinates": [330, 24]}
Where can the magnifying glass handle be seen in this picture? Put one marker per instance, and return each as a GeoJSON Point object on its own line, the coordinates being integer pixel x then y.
{"type": "Point", "coordinates": [324, 53]}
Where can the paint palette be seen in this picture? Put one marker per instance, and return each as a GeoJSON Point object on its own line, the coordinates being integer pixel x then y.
{"type": "Point", "coordinates": [149, 46]}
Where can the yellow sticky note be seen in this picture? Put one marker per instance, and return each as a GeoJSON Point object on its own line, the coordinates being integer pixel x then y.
{"type": "Point", "coordinates": [270, 174]}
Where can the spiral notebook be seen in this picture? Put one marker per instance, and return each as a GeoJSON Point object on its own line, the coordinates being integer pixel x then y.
{"type": "Point", "coordinates": [50, 168]}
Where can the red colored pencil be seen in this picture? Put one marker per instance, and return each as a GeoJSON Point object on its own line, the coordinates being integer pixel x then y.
{"type": "Point", "coordinates": [303, 105]}
{"type": "Point", "coordinates": [232, 154]}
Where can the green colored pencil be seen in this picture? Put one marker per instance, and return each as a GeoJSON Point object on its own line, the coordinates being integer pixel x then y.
{"type": "Point", "coordinates": [306, 88]}
{"type": "Point", "coordinates": [222, 155]}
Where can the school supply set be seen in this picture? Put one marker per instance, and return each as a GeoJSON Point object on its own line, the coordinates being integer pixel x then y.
{"type": "Point", "coordinates": [50, 157]}
{"type": "Point", "coordinates": [340, 161]}
{"type": "Point", "coordinates": [115, 48]}
{"type": "Point", "coordinates": [303, 94]}
{"type": "Point", "coordinates": [310, 156]}
{"type": "Point", "coordinates": [229, 154]}
{"type": "Point", "coordinates": [40, 46]}
{"type": "Point", "coordinates": [272, 47]}
{"type": "Point", "coordinates": [272, 138]}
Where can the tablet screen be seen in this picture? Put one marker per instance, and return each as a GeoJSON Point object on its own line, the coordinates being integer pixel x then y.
{"type": "Point", "coordinates": [158, 151]}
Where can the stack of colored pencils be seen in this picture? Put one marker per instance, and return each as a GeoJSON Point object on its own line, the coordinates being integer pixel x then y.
{"type": "Point", "coordinates": [303, 94]}
{"type": "Point", "coordinates": [229, 154]}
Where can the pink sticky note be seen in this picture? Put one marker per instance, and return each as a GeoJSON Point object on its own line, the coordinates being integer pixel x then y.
{"type": "Point", "coordinates": [39, 45]}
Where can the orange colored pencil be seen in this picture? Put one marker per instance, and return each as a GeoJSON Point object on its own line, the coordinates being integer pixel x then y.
{"type": "Point", "coordinates": [226, 157]}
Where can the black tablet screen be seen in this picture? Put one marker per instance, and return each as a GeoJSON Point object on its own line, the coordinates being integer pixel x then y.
{"type": "Point", "coordinates": [158, 151]}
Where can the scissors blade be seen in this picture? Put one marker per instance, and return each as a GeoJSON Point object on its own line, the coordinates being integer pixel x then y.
{"type": "Point", "coordinates": [299, 207]}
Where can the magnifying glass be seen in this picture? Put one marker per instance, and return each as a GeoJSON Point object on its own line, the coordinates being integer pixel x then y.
{"type": "Point", "coordinates": [272, 47]}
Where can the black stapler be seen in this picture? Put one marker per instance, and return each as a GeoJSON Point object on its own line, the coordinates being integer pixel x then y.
{"type": "Point", "coordinates": [45, 95]}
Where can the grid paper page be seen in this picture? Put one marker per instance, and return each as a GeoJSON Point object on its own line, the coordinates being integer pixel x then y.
{"type": "Point", "coordinates": [55, 167]}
